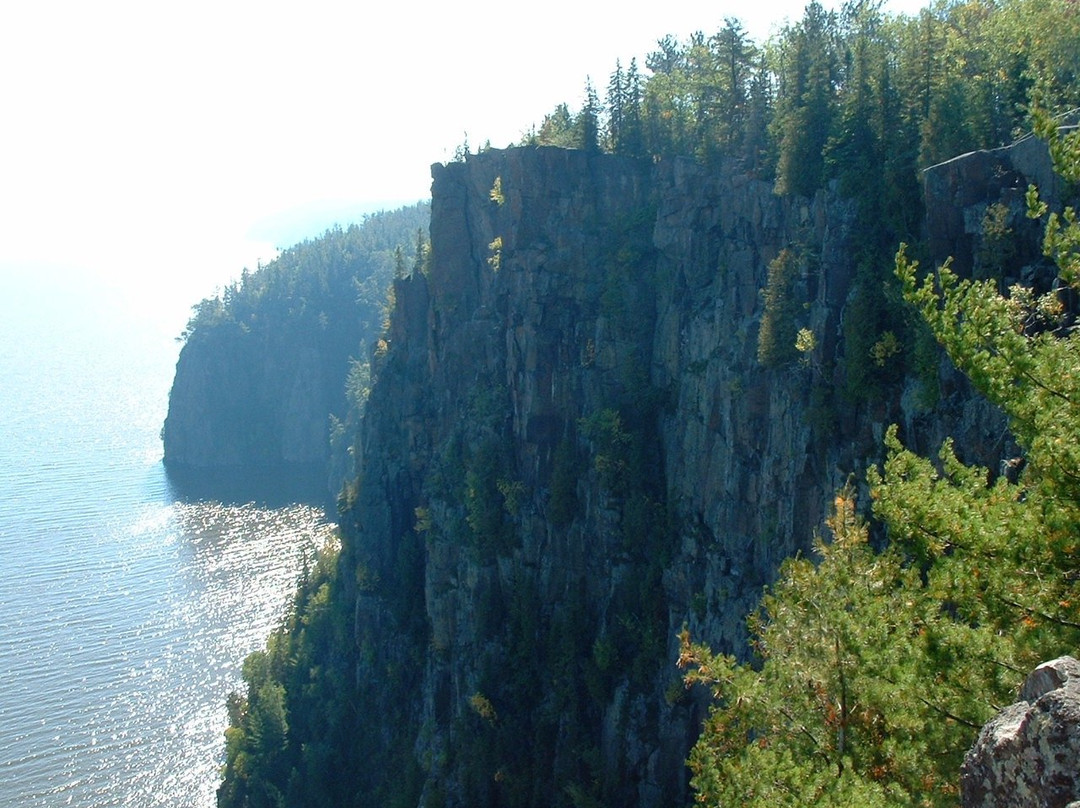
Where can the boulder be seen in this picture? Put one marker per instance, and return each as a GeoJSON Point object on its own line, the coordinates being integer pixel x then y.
{"type": "Point", "coordinates": [1029, 755]}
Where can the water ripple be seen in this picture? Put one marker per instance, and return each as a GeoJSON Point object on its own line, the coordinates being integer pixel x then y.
{"type": "Point", "coordinates": [119, 645]}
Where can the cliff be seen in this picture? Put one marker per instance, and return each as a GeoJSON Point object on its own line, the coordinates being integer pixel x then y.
{"type": "Point", "coordinates": [238, 400]}
{"type": "Point", "coordinates": [590, 427]}
{"type": "Point", "coordinates": [265, 364]}
{"type": "Point", "coordinates": [573, 449]}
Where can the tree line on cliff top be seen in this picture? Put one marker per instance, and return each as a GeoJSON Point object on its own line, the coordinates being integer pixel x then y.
{"type": "Point", "coordinates": [855, 97]}
{"type": "Point", "coordinates": [837, 94]}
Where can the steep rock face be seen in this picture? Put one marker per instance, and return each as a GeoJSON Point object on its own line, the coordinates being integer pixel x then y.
{"type": "Point", "coordinates": [237, 401]}
{"type": "Point", "coordinates": [748, 471]}
{"type": "Point", "coordinates": [961, 192]}
{"type": "Point", "coordinates": [1030, 753]}
{"type": "Point", "coordinates": [572, 450]}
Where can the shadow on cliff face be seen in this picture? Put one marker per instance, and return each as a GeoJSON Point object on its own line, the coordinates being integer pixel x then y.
{"type": "Point", "coordinates": [265, 486]}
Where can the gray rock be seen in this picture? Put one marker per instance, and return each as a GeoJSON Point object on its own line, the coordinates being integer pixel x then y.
{"type": "Point", "coordinates": [1029, 755]}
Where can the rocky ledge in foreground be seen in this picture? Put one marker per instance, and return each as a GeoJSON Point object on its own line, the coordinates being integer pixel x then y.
{"type": "Point", "coordinates": [1029, 755]}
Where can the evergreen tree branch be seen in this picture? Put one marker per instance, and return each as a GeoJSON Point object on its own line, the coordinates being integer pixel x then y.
{"type": "Point", "coordinates": [1032, 611]}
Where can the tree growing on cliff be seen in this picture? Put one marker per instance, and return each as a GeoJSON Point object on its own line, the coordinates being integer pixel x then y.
{"type": "Point", "coordinates": [557, 129]}
{"type": "Point", "coordinates": [624, 135]}
{"type": "Point", "coordinates": [879, 667]}
{"type": "Point", "coordinates": [780, 318]}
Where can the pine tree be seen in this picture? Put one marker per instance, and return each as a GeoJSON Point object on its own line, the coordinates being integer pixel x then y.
{"type": "Point", "coordinates": [631, 140]}
{"type": "Point", "coordinates": [667, 118]}
{"type": "Point", "coordinates": [616, 105]}
{"type": "Point", "coordinates": [735, 55]}
{"type": "Point", "coordinates": [807, 102]}
{"type": "Point", "coordinates": [756, 149]}
{"type": "Point", "coordinates": [587, 125]}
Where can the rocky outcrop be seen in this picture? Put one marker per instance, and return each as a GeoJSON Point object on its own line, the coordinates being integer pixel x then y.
{"type": "Point", "coordinates": [960, 193]}
{"type": "Point", "coordinates": [572, 451]}
{"type": "Point", "coordinates": [238, 400]}
{"type": "Point", "coordinates": [1029, 755]}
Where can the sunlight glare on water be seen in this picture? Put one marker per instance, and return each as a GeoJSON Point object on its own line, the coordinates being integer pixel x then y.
{"type": "Point", "coordinates": [126, 611]}
{"type": "Point", "coordinates": [115, 682]}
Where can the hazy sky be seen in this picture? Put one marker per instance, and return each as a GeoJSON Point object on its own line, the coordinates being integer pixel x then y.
{"type": "Point", "coordinates": [152, 141]}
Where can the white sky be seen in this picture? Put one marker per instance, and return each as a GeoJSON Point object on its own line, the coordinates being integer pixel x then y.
{"type": "Point", "coordinates": [170, 144]}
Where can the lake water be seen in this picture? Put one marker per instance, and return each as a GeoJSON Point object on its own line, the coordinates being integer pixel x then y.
{"type": "Point", "coordinates": [125, 612]}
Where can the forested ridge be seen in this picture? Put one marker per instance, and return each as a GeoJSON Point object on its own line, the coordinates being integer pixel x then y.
{"type": "Point", "coordinates": [934, 586]}
{"type": "Point", "coordinates": [278, 359]}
